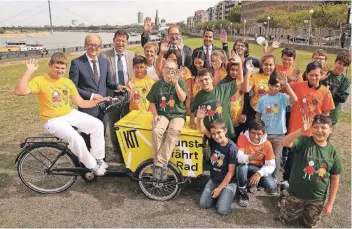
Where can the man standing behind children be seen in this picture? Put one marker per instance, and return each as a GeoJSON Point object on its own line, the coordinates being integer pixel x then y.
{"type": "Point", "coordinates": [140, 85]}
{"type": "Point", "coordinates": [166, 99]}
{"type": "Point", "coordinates": [271, 109]}
{"type": "Point", "coordinates": [316, 165]}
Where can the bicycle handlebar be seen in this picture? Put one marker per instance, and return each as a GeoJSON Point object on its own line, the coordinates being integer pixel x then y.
{"type": "Point", "coordinates": [119, 99]}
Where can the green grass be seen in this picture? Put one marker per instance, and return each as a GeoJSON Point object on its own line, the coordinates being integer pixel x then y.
{"type": "Point", "coordinates": [345, 117]}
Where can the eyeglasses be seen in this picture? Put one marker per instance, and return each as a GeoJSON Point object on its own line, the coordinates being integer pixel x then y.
{"type": "Point", "coordinates": [170, 70]}
{"type": "Point", "coordinates": [93, 46]}
{"type": "Point", "coordinates": [174, 34]}
{"type": "Point", "coordinates": [319, 59]}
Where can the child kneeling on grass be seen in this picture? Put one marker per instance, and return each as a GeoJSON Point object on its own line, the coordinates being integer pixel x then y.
{"type": "Point", "coordinates": [54, 92]}
{"type": "Point", "coordinates": [316, 164]}
{"type": "Point", "coordinates": [221, 187]}
{"type": "Point", "coordinates": [166, 99]}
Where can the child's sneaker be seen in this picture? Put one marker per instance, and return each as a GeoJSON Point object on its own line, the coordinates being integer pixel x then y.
{"type": "Point", "coordinates": [99, 171]}
{"type": "Point", "coordinates": [243, 197]}
{"type": "Point", "coordinates": [102, 163]}
{"type": "Point", "coordinates": [157, 172]}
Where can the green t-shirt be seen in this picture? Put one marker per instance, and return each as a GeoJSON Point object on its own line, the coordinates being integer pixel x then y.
{"type": "Point", "coordinates": [217, 102]}
{"type": "Point", "coordinates": [311, 169]}
{"type": "Point", "coordinates": [339, 86]}
{"type": "Point", "coordinates": [167, 103]}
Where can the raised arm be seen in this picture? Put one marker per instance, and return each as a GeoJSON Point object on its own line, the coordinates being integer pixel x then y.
{"type": "Point", "coordinates": [200, 121]}
{"type": "Point", "coordinates": [22, 86]}
{"type": "Point", "coordinates": [287, 141]}
{"type": "Point", "coordinates": [164, 47]}
{"type": "Point", "coordinates": [246, 87]}
{"type": "Point", "coordinates": [282, 79]}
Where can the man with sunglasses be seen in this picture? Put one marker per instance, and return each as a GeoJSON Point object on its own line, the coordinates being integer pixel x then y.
{"type": "Point", "coordinates": [174, 39]}
{"type": "Point", "coordinates": [92, 76]}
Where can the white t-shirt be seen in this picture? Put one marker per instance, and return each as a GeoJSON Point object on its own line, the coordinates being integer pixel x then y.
{"type": "Point", "coordinates": [151, 72]}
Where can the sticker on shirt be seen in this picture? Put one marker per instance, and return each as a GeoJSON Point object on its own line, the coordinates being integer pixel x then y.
{"type": "Point", "coordinates": [217, 159]}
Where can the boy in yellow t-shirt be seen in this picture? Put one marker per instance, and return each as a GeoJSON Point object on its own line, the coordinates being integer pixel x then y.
{"type": "Point", "coordinates": [140, 85]}
{"type": "Point", "coordinates": [54, 93]}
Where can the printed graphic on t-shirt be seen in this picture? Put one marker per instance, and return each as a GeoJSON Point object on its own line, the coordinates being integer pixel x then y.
{"type": "Point", "coordinates": [308, 105]}
{"type": "Point", "coordinates": [261, 90]}
{"type": "Point", "coordinates": [59, 97]}
{"type": "Point", "coordinates": [172, 103]}
{"type": "Point", "coordinates": [271, 109]}
{"type": "Point", "coordinates": [163, 103]}
{"type": "Point", "coordinates": [217, 158]}
{"type": "Point", "coordinates": [312, 168]}
{"type": "Point", "coordinates": [218, 108]}
{"type": "Point", "coordinates": [236, 105]}
{"type": "Point", "coordinates": [139, 95]}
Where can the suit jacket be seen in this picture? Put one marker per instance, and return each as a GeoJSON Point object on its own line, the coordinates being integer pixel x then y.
{"type": "Point", "coordinates": [206, 63]}
{"type": "Point", "coordinates": [111, 57]}
{"type": "Point", "coordinates": [81, 74]}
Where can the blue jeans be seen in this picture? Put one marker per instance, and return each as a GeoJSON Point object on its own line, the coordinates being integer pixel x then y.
{"type": "Point", "coordinates": [223, 202]}
{"type": "Point", "coordinates": [244, 172]}
{"type": "Point", "coordinates": [276, 142]}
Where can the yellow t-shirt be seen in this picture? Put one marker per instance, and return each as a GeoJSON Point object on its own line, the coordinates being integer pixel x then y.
{"type": "Point", "coordinates": [259, 81]}
{"type": "Point", "coordinates": [53, 96]}
{"type": "Point", "coordinates": [188, 74]}
{"type": "Point", "coordinates": [140, 92]}
{"type": "Point", "coordinates": [236, 105]}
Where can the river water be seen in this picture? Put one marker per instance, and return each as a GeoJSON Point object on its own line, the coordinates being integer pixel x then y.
{"type": "Point", "coordinates": [64, 39]}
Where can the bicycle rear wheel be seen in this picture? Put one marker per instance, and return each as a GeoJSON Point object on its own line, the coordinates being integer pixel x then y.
{"type": "Point", "coordinates": [36, 164]}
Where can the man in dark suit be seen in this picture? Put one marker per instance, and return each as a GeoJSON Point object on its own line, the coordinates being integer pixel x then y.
{"type": "Point", "coordinates": [208, 47]}
{"type": "Point", "coordinates": [92, 76]}
{"type": "Point", "coordinates": [121, 67]}
{"type": "Point", "coordinates": [175, 40]}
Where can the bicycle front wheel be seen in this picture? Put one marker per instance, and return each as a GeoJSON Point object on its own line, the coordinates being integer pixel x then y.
{"type": "Point", "coordinates": [36, 164]}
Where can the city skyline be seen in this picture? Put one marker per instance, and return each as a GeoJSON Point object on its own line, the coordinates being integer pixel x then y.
{"type": "Point", "coordinates": [36, 13]}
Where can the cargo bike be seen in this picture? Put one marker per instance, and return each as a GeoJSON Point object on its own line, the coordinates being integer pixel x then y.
{"type": "Point", "coordinates": [46, 165]}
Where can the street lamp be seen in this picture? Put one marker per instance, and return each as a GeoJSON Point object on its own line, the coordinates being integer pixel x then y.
{"type": "Point", "coordinates": [311, 11]}
{"type": "Point", "coordinates": [244, 28]}
{"type": "Point", "coordinates": [267, 36]}
{"type": "Point", "coordinates": [231, 28]}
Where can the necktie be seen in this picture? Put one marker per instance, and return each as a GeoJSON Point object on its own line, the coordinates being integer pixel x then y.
{"type": "Point", "coordinates": [120, 70]}
{"type": "Point", "coordinates": [95, 72]}
{"type": "Point", "coordinates": [208, 56]}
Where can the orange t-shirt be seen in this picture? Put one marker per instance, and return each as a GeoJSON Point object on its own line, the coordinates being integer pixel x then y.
{"type": "Point", "coordinates": [288, 72]}
{"type": "Point", "coordinates": [310, 102]}
{"type": "Point", "coordinates": [249, 149]}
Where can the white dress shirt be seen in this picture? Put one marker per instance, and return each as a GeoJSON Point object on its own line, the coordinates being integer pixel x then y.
{"type": "Point", "coordinates": [125, 73]}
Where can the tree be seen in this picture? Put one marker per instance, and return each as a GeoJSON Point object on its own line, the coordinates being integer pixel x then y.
{"type": "Point", "coordinates": [235, 14]}
{"type": "Point", "coordinates": [2, 30]}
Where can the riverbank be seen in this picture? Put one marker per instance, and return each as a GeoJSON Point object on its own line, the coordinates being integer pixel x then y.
{"type": "Point", "coordinates": [23, 35]}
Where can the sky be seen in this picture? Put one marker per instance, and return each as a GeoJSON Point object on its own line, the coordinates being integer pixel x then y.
{"type": "Point", "coordinates": [118, 12]}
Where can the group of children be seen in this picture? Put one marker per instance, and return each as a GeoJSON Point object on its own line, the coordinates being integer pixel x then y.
{"type": "Point", "coordinates": [248, 132]}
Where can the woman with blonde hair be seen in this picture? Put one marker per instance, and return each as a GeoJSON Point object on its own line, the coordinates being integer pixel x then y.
{"type": "Point", "coordinates": [219, 62]}
{"type": "Point", "coordinates": [150, 52]}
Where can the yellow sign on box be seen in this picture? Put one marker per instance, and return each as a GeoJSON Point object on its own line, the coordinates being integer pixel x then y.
{"type": "Point", "coordinates": [135, 138]}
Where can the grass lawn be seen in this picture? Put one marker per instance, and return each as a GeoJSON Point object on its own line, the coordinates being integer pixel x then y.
{"type": "Point", "coordinates": [19, 119]}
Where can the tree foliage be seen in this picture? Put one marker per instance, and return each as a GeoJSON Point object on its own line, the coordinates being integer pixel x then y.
{"type": "Point", "coordinates": [235, 15]}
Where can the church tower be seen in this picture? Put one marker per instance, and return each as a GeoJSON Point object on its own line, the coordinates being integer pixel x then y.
{"type": "Point", "coordinates": [157, 23]}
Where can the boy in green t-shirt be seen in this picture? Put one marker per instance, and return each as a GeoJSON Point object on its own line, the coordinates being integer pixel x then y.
{"type": "Point", "coordinates": [166, 99]}
{"type": "Point", "coordinates": [216, 100]}
{"type": "Point", "coordinates": [338, 84]}
{"type": "Point", "coordinates": [316, 164]}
